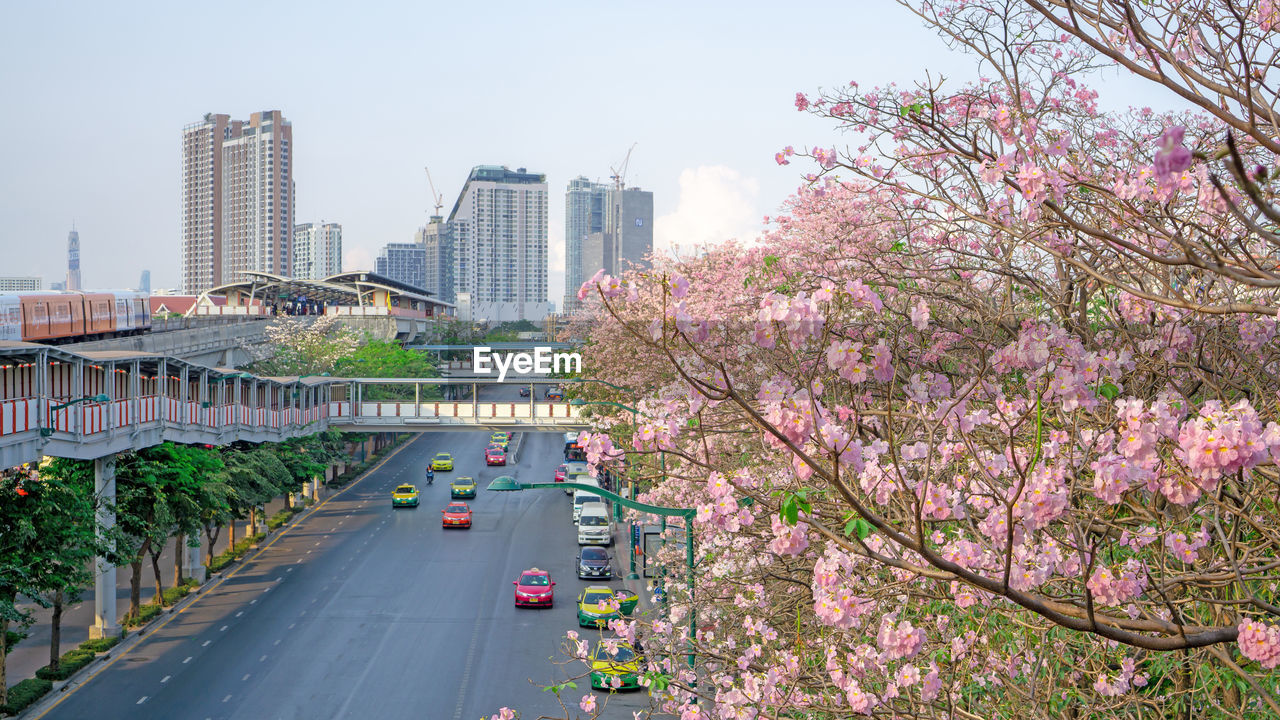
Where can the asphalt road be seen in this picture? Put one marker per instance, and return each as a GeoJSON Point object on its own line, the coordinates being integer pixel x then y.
{"type": "Point", "coordinates": [364, 611]}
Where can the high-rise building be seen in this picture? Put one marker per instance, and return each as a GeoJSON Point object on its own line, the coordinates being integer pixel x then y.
{"type": "Point", "coordinates": [73, 260]}
{"type": "Point", "coordinates": [499, 226]}
{"type": "Point", "coordinates": [317, 250]}
{"type": "Point", "coordinates": [17, 283]}
{"type": "Point", "coordinates": [437, 240]}
{"type": "Point", "coordinates": [629, 220]}
{"type": "Point", "coordinates": [238, 199]}
{"type": "Point", "coordinates": [202, 203]}
{"type": "Point", "coordinates": [144, 283]}
{"type": "Point", "coordinates": [584, 213]}
{"type": "Point", "coordinates": [406, 262]}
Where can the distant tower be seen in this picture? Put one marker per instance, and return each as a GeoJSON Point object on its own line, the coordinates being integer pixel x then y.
{"type": "Point", "coordinates": [144, 285]}
{"type": "Point", "coordinates": [73, 260]}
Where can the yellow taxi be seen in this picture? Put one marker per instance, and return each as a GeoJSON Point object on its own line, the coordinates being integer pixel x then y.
{"type": "Point", "coordinates": [463, 487]}
{"type": "Point", "coordinates": [404, 496]}
{"type": "Point", "coordinates": [442, 461]}
{"type": "Point", "coordinates": [501, 438]}
{"type": "Point", "coordinates": [615, 666]}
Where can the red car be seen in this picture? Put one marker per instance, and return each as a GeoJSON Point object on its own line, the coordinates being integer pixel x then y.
{"type": "Point", "coordinates": [560, 472]}
{"type": "Point", "coordinates": [456, 515]}
{"type": "Point", "coordinates": [495, 456]}
{"type": "Point", "coordinates": [534, 588]}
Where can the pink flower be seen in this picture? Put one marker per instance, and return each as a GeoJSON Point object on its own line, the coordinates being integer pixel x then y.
{"type": "Point", "coordinates": [802, 102]}
{"type": "Point", "coordinates": [505, 713]}
{"type": "Point", "coordinates": [901, 640]}
{"type": "Point", "coordinates": [920, 315]}
{"type": "Point", "coordinates": [859, 701]}
{"type": "Point", "coordinates": [679, 286]}
{"type": "Point", "coordinates": [1171, 157]}
{"type": "Point", "coordinates": [588, 703]}
{"type": "Point", "coordinates": [1260, 642]}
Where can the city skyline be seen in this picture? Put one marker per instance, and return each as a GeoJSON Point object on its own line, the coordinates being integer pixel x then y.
{"type": "Point", "coordinates": [706, 116]}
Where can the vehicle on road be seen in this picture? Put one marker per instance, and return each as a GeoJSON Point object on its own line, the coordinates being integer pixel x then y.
{"type": "Point", "coordinates": [560, 472]}
{"type": "Point", "coordinates": [594, 525]}
{"type": "Point", "coordinates": [456, 515]}
{"type": "Point", "coordinates": [593, 562]}
{"type": "Point", "coordinates": [463, 487]}
{"type": "Point", "coordinates": [442, 462]}
{"type": "Point", "coordinates": [524, 391]}
{"type": "Point", "coordinates": [404, 496]}
{"type": "Point", "coordinates": [615, 666]}
{"type": "Point", "coordinates": [582, 497]}
{"type": "Point", "coordinates": [534, 588]}
{"type": "Point", "coordinates": [495, 456]}
{"type": "Point", "coordinates": [501, 438]}
{"type": "Point", "coordinates": [572, 450]}
{"type": "Point", "coordinates": [555, 395]}
{"type": "Point", "coordinates": [597, 606]}
{"type": "Point", "coordinates": [431, 474]}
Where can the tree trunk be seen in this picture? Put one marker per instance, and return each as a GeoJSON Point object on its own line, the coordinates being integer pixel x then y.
{"type": "Point", "coordinates": [155, 566]}
{"type": "Point", "coordinates": [253, 522]}
{"type": "Point", "coordinates": [179, 546]}
{"type": "Point", "coordinates": [231, 533]}
{"type": "Point", "coordinates": [135, 579]}
{"type": "Point", "coordinates": [211, 533]}
{"type": "Point", "coordinates": [55, 637]}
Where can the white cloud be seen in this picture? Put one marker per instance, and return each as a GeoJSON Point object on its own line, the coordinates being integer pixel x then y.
{"type": "Point", "coordinates": [717, 203]}
{"type": "Point", "coordinates": [355, 257]}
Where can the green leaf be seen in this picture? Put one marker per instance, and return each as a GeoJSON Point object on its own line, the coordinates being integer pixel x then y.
{"type": "Point", "coordinates": [1109, 391]}
{"type": "Point", "coordinates": [770, 261]}
{"type": "Point", "coordinates": [859, 526]}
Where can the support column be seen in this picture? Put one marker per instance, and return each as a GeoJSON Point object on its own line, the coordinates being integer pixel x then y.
{"type": "Point", "coordinates": [193, 562]}
{"type": "Point", "coordinates": [106, 621]}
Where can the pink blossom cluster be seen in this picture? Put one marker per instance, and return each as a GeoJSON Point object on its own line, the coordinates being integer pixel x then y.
{"type": "Point", "coordinates": [1259, 642]}
{"type": "Point", "coordinates": [1185, 549]}
{"type": "Point", "coordinates": [1128, 679]}
{"type": "Point", "coordinates": [610, 286]}
{"type": "Point", "coordinates": [1116, 587]}
{"type": "Point", "coordinates": [1221, 441]}
{"type": "Point", "coordinates": [898, 640]}
{"type": "Point", "coordinates": [789, 539]}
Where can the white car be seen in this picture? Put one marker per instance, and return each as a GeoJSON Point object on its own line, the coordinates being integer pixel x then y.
{"type": "Point", "coordinates": [594, 526]}
{"type": "Point", "coordinates": [582, 497]}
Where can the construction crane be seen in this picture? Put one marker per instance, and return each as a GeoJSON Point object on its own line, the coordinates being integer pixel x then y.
{"type": "Point", "coordinates": [437, 196]}
{"type": "Point", "coordinates": [620, 174]}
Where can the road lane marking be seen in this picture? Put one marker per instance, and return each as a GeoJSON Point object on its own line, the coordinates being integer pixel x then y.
{"type": "Point", "coordinates": [205, 592]}
{"type": "Point", "coordinates": [264, 657]}
{"type": "Point", "coordinates": [142, 699]}
{"type": "Point", "coordinates": [226, 698]}
{"type": "Point", "coordinates": [164, 679]}
{"type": "Point", "coordinates": [206, 643]}
{"type": "Point", "coordinates": [246, 677]}
{"type": "Point", "coordinates": [239, 613]}
{"type": "Point", "coordinates": [224, 628]}
{"type": "Point", "coordinates": [276, 642]}
{"type": "Point", "coordinates": [291, 626]}
{"type": "Point", "coordinates": [184, 662]}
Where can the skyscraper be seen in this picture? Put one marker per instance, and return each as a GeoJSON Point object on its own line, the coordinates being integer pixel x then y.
{"type": "Point", "coordinates": [629, 219]}
{"type": "Point", "coordinates": [437, 240]}
{"type": "Point", "coordinates": [73, 260]}
{"type": "Point", "coordinates": [584, 204]}
{"type": "Point", "coordinates": [499, 224]}
{"type": "Point", "coordinates": [406, 262]}
{"type": "Point", "coordinates": [144, 283]}
{"type": "Point", "coordinates": [317, 250]}
{"type": "Point", "coordinates": [238, 199]}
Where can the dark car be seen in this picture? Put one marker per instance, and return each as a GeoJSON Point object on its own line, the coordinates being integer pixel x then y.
{"type": "Point", "coordinates": [524, 391]}
{"type": "Point", "coordinates": [593, 562]}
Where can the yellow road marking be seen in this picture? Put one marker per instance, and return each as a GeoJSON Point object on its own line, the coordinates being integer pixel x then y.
{"type": "Point", "coordinates": [209, 590]}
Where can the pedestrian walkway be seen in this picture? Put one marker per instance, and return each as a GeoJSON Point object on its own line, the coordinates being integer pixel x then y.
{"type": "Point", "coordinates": [33, 652]}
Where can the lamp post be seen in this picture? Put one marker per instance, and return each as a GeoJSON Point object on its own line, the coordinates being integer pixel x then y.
{"type": "Point", "coordinates": [48, 431]}
{"type": "Point", "coordinates": [508, 483]}
{"type": "Point", "coordinates": [617, 514]}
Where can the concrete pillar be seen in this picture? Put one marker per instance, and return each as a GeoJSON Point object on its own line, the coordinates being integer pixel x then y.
{"type": "Point", "coordinates": [106, 621]}
{"type": "Point", "coordinates": [193, 563]}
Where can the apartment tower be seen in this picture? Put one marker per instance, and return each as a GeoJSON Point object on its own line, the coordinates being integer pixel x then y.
{"type": "Point", "coordinates": [317, 250]}
{"type": "Point", "coordinates": [584, 213]}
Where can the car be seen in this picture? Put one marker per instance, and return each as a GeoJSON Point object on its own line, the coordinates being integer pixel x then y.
{"type": "Point", "coordinates": [463, 487]}
{"type": "Point", "coordinates": [560, 472]}
{"type": "Point", "coordinates": [456, 514]}
{"type": "Point", "coordinates": [555, 395]}
{"type": "Point", "coordinates": [495, 456]}
{"type": "Point", "coordinates": [404, 496]}
{"type": "Point", "coordinates": [442, 461]}
{"type": "Point", "coordinates": [593, 562]}
{"type": "Point", "coordinates": [615, 665]}
{"type": "Point", "coordinates": [501, 438]}
{"type": "Point", "coordinates": [598, 604]}
{"type": "Point", "coordinates": [524, 391]}
{"type": "Point", "coordinates": [534, 588]}
{"type": "Point", "coordinates": [594, 525]}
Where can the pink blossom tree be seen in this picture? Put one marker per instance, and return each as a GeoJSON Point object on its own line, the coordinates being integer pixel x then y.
{"type": "Point", "coordinates": [985, 425]}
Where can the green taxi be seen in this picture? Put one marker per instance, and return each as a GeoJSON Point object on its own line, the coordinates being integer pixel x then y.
{"type": "Point", "coordinates": [463, 487]}
{"type": "Point", "coordinates": [615, 666]}
{"type": "Point", "coordinates": [598, 604]}
{"type": "Point", "coordinates": [404, 496]}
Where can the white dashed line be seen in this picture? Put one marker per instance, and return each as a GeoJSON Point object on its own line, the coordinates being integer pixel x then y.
{"type": "Point", "coordinates": [253, 601]}
{"type": "Point", "coordinates": [266, 589]}
{"type": "Point", "coordinates": [262, 659]}
{"type": "Point", "coordinates": [184, 662]}
{"type": "Point", "coordinates": [278, 579]}
{"type": "Point", "coordinates": [164, 679]}
{"type": "Point", "coordinates": [224, 628]}
{"type": "Point", "coordinates": [290, 569]}
{"type": "Point", "coordinates": [276, 642]}
{"type": "Point", "coordinates": [226, 698]}
{"type": "Point", "coordinates": [142, 699]}
{"type": "Point", "coordinates": [246, 677]}
{"type": "Point", "coordinates": [205, 643]}
{"type": "Point", "coordinates": [291, 626]}
{"type": "Point", "coordinates": [239, 613]}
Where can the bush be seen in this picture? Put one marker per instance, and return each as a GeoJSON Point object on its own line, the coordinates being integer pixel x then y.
{"type": "Point", "coordinates": [234, 553]}
{"type": "Point", "coordinates": [100, 644]}
{"type": "Point", "coordinates": [22, 695]}
{"type": "Point", "coordinates": [144, 616]}
{"type": "Point", "coordinates": [174, 594]}
{"type": "Point", "coordinates": [280, 518]}
{"type": "Point", "coordinates": [69, 664]}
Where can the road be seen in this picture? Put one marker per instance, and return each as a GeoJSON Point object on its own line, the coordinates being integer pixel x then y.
{"type": "Point", "coordinates": [362, 611]}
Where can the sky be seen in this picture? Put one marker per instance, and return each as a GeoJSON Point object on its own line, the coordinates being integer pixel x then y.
{"type": "Point", "coordinates": [96, 96]}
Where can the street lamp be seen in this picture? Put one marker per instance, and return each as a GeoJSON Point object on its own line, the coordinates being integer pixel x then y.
{"type": "Point", "coordinates": [508, 483]}
{"type": "Point", "coordinates": [100, 398]}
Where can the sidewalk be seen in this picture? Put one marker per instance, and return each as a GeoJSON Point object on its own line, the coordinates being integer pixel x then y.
{"type": "Point", "coordinates": [33, 652]}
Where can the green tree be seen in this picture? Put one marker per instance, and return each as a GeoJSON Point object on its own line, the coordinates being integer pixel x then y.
{"type": "Point", "coordinates": [388, 359]}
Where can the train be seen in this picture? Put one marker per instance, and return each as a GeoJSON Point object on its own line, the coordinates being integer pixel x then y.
{"type": "Point", "coordinates": [62, 317]}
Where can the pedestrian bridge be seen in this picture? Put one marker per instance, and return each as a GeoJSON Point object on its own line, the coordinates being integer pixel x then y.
{"type": "Point", "coordinates": [88, 405]}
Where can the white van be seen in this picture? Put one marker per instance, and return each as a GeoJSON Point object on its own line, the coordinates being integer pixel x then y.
{"type": "Point", "coordinates": [594, 526]}
{"type": "Point", "coordinates": [576, 471]}
{"type": "Point", "coordinates": [581, 497]}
